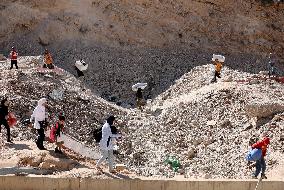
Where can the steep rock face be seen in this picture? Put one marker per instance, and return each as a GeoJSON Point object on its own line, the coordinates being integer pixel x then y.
{"type": "Point", "coordinates": [129, 41]}
{"type": "Point", "coordinates": [219, 25]}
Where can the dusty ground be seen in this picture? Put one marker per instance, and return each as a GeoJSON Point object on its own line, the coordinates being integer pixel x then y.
{"type": "Point", "coordinates": [85, 168]}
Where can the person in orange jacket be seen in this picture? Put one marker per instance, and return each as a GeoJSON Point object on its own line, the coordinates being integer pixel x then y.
{"type": "Point", "coordinates": [218, 61]}
{"type": "Point", "coordinates": [48, 60]}
{"type": "Point", "coordinates": [14, 57]}
{"type": "Point", "coordinates": [260, 164]}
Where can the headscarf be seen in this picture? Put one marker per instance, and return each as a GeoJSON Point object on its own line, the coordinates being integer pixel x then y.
{"type": "Point", "coordinates": [3, 101]}
{"type": "Point", "coordinates": [41, 101]}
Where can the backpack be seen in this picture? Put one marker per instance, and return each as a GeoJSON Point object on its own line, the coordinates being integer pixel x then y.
{"type": "Point", "coordinates": [98, 134]}
{"type": "Point", "coordinates": [254, 154]}
{"type": "Point", "coordinates": [113, 129]}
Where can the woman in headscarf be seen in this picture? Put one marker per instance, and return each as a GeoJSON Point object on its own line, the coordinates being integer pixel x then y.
{"type": "Point", "coordinates": [106, 143]}
{"type": "Point", "coordinates": [39, 118]}
{"type": "Point", "coordinates": [4, 117]}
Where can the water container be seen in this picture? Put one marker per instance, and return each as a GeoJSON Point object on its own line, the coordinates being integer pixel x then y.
{"type": "Point", "coordinates": [254, 155]}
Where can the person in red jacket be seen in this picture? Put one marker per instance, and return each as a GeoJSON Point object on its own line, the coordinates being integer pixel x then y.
{"type": "Point", "coordinates": [260, 164]}
{"type": "Point", "coordinates": [14, 57]}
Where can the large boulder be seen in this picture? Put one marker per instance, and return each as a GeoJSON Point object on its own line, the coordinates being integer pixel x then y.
{"type": "Point", "coordinates": [264, 109]}
{"type": "Point", "coordinates": [47, 161]}
{"type": "Point", "coordinates": [52, 163]}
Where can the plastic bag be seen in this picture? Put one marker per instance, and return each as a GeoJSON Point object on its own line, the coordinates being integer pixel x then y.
{"type": "Point", "coordinates": [12, 120]}
{"type": "Point", "coordinates": [173, 162]}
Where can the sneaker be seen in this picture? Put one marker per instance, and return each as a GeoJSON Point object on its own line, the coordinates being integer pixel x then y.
{"type": "Point", "coordinates": [113, 171]}
{"type": "Point", "coordinates": [254, 177]}
{"type": "Point", "coordinates": [263, 176]}
{"type": "Point", "coordinates": [60, 152]}
{"type": "Point", "coordinates": [56, 150]}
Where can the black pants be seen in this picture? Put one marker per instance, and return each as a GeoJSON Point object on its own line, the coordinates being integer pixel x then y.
{"type": "Point", "coordinates": [41, 135]}
{"type": "Point", "coordinates": [217, 74]}
{"type": "Point", "coordinates": [4, 122]}
{"type": "Point", "coordinates": [79, 73]}
{"type": "Point", "coordinates": [14, 62]}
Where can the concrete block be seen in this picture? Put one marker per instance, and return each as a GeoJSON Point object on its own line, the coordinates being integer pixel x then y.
{"type": "Point", "coordinates": [175, 185]}
{"type": "Point", "coordinates": [150, 185]}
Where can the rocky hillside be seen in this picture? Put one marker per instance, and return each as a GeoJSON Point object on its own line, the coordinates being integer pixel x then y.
{"type": "Point", "coordinates": [207, 127]}
{"type": "Point", "coordinates": [24, 87]}
{"type": "Point", "coordinates": [127, 41]}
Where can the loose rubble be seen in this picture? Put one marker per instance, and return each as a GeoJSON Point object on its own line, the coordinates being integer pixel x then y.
{"type": "Point", "coordinates": [207, 127]}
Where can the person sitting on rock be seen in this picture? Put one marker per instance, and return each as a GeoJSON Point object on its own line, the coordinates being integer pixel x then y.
{"type": "Point", "coordinates": [260, 164]}
{"type": "Point", "coordinates": [4, 116]}
{"type": "Point", "coordinates": [48, 60]}
{"type": "Point", "coordinates": [218, 61]}
{"type": "Point", "coordinates": [107, 144]}
{"type": "Point", "coordinates": [14, 57]}
{"type": "Point", "coordinates": [139, 98]}
{"type": "Point", "coordinates": [39, 118]}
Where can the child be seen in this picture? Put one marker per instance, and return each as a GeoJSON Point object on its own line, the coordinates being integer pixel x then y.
{"type": "Point", "coordinates": [55, 133]}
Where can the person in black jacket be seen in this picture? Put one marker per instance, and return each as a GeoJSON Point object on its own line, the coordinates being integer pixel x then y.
{"type": "Point", "coordinates": [139, 98]}
{"type": "Point", "coordinates": [4, 116]}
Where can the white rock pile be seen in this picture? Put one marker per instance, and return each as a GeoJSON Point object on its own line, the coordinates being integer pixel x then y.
{"type": "Point", "coordinates": [207, 127]}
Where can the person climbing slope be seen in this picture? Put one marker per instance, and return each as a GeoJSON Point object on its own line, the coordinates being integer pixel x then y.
{"type": "Point", "coordinates": [107, 144]}
{"type": "Point", "coordinates": [4, 116]}
{"type": "Point", "coordinates": [48, 60]}
{"type": "Point", "coordinates": [260, 164]}
{"type": "Point", "coordinates": [56, 133]}
{"type": "Point", "coordinates": [271, 65]}
{"type": "Point", "coordinates": [39, 117]}
{"type": "Point", "coordinates": [218, 61]}
{"type": "Point", "coordinates": [14, 58]}
{"type": "Point", "coordinates": [81, 66]}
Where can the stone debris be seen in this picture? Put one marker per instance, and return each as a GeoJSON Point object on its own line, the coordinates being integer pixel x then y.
{"type": "Point", "coordinates": [206, 127]}
{"type": "Point", "coordinates": [57, 94]}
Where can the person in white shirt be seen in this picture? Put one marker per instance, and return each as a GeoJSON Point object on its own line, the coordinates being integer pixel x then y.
{"type": "Point", "coordinates": [107, 144]}
{"type": "Point", "coordinates": [81, 66]}
{"type": "Point", "coordinates": [39, 118]}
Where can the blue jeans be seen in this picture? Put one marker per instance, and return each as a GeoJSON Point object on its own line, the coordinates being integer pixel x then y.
{"type": "Point", "coordinates": [260, 166]}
